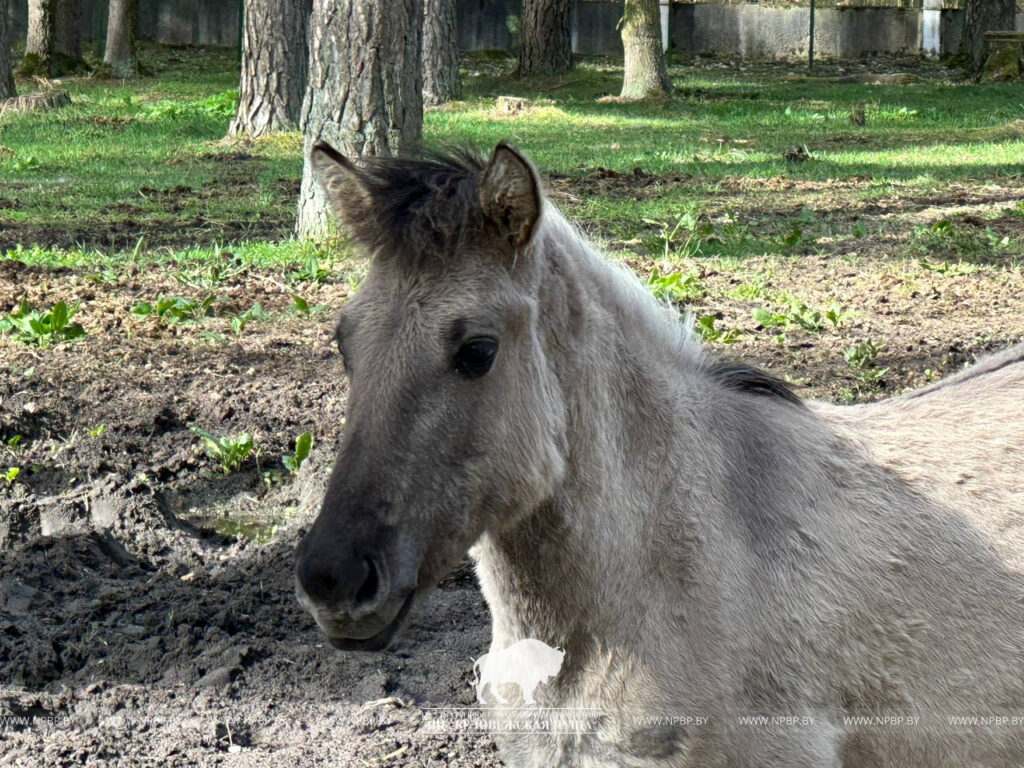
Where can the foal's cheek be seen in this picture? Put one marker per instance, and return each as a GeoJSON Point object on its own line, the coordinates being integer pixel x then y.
{"type": "Point", "coordinates": [455, 530]}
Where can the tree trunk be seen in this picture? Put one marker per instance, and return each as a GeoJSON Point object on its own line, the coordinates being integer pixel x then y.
{"type": "Point", "coordinates": [54, 44]}
{"type": "Point", "coordinates": [119, 53]}
{"type": "Point", "coordinates": [274, 61]}
{"type": "Point", "coordinates": [40, 38]}
{"type": "Point", "coordinates": [545, 43]}
{"type": "Point", "coordinates": [6, 72]}
{"type": "Point", "coordinates": [981, 16]}
{"type": "Point", "coordinates": [440, 53]}
{"type": "Point", "coordinates": [646, 75]}
{"type": "Point", "coordinates": [365, 94]}
{"type": "Point", "coordinates": [67, 38]}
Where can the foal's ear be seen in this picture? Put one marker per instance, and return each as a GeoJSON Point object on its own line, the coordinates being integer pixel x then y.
{"type": "Point", "coordinates": [347, 194]}
{"type": "Point", "coordinates": [510, 194]}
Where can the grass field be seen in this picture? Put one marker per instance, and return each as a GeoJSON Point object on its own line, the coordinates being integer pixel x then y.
{"type": "Point", "coordinates": [744, 198]}
{"type": "Point", "coordinates": [145, 159]}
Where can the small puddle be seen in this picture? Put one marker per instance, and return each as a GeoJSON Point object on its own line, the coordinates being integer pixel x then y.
{"type": "Point", "coordinates": [219, 506]}
{"type": "Point", "coordinates": [257, 527]}
{"type": "Point", "coordinates": [261, 532]}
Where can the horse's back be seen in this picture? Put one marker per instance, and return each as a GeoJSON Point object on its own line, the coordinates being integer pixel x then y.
{"type": "Point", "coordinates": [950, 516]}
{"type": "Point", "coordinates": [1008, 362]}
{"type": "Point", "coordinates": [959, 442]}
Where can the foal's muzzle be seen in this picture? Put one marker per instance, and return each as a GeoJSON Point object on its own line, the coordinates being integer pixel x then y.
{"type": "Point", "coordinates": [360, 595]}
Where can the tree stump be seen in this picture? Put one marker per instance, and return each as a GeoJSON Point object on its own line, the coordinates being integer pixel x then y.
{"type": "Point", "coordinates": [1003, 54]}
{"type": "Point", "coordinates": [510, 105]}
{"type": "Point", "coordinates": [33, 102]}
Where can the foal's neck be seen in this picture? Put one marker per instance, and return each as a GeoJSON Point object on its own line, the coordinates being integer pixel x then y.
{"type": "Point", "coordinates": [569, 572]}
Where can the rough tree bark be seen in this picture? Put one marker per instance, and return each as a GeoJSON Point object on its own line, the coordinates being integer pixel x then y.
{"type": "Point", "coordinates": [440, 53]}
{"type": "Point", "coordinates": [646, 75]}
{"type": "Point", "coordinates": [67, 37]}
{"type": "Point", "coordinates": [274, 61]}
{"type": "Point", "coordinates": [39, 44]}
{"type": "Point", "coordinates": [6, 72]}
{"type": "Point", "coordinates": [119, 52]}
{"type": "Point", "coordinates": [545, 42]}
{"type": "Point", "coordinates": [365, 94]}
{"type": "Point", "coordinates": [54, 44]}
{"type": "Point", "coordinates": [981, 16]}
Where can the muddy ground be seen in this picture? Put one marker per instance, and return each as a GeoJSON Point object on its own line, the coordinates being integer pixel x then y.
{"type": "Point", "coordinates": [146, 605]}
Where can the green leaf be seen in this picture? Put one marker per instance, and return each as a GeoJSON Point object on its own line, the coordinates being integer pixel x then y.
{"type": "Point", "coordinates": [303, 445]}
{"type": "Point", "coordinates": [794, 237]}
{"type": "Point", "coordinates": [73, 331]}
{"type": "Point", "coordinates": [768, 319]}
{"type": "Point", "coordinates": [213, 445]}
{"type": "Point", "coordinates": [229, 451]}
{"type": "Point", "coordinates": [59, 316]}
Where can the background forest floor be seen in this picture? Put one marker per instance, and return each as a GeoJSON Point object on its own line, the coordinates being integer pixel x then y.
{"type": "Point", "coordinates": [146, 593]}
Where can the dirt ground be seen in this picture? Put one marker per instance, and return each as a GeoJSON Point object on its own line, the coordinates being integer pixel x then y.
{"type": "Point", "coordinates": [146, 604]}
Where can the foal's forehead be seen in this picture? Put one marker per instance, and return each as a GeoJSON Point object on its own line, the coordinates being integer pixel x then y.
{"type": "Point", "coordinates": [434, 297]}
{"type": "Point", "coordinates": [463, 275]}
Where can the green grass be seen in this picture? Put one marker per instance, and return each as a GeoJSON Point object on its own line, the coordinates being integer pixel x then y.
{"type": "Point", "coordinates": [139, 172]}
{"type": "Point", "coordinates": [145, 152]}
{"type": "Point", "coordinates": [933, 128]}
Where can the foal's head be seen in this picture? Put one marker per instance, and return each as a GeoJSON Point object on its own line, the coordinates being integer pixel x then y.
{"type": "Point", "coordinates": [455, 423]}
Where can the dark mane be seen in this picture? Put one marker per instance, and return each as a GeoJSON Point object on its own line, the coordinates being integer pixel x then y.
{"type": "Point", "coordinates": [745, 378]}
{"type": "Point", "coordinates": [425, 202]}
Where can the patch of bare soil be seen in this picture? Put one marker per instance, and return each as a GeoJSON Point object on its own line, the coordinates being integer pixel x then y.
{"type": "Point", "coordinates": [927, 324]}
{"type": "Point", "coordinates": [141, 618]}
{"type": "Point", "coordinates": [637, 185]}
{"type": "Point", "coordinates": [158, 231]}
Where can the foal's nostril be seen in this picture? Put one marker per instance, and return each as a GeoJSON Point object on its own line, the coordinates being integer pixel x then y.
{"type": "Point", "coordinates": [368, 589]}
{"type": "Point", "coordinates": [339, 587]}
{"type": "Point", "coordinates": [318, 583]}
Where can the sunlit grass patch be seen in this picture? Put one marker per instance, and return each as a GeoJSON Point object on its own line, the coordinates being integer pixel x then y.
{"type": "Point", "coordinates": [770, 158]}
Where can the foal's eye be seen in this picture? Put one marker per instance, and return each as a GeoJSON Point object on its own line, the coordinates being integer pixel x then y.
{"type": "Point", "coordinates": [475, 357]}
